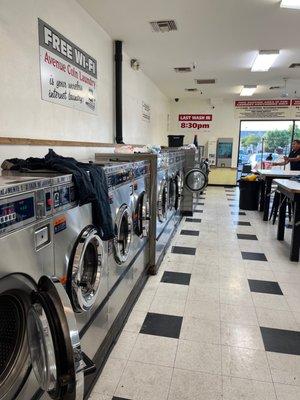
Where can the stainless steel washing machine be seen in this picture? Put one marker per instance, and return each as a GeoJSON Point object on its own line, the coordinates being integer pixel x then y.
{"type": "Point", "coordinates": [40, 353]}
{"type": "Point", "coordinates": [163, 222]}
{"type": "Point", "coordinates": [80, 259]}
{"type": "Point", "coordinates": [128, 253]}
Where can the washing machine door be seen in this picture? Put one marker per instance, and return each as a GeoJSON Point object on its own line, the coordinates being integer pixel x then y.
{"type": "Point", "coordinates": [85, 270]}
{"type": "Point", "coordinates": [196, 180]}
{"type": "Point", "coordinates": [124, 230]}
{"type": "Point", "coordinates": [172, 193]}
{"type": "Point", "coordinates": [53, 342]}
{"type": "Point", "coordinates": [179, 185]}
{"type": "Point", "coordinates": [142, 215]}
{"type": "Point", "coordinates": [162, 201]}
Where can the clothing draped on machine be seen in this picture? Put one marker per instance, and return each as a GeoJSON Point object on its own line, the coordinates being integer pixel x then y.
{"type": "Point", "coordinates": [89, 180]}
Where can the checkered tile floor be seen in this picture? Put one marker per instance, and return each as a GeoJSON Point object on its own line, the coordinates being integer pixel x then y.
{"type": "Point", "coordinates": [221, 320]}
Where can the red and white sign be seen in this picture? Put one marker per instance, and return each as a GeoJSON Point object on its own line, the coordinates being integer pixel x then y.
{"type": "Point", "coordinates": [263, 103]}
{"type": "Point", "coordinates": [263, 109]}
{"type": "Point", "coordinates": [195, 121]}
{"type": "Point", "coordinates": [195, 117]}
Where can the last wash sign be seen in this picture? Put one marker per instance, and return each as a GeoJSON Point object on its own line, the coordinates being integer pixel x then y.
{"type": "Point", "coordinates": [68, 74]}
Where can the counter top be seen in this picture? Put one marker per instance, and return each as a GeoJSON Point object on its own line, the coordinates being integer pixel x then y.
{"type": "Point", "coordinates": [280, 173]}
{"type": "Point", "coordinates": [287, 184]}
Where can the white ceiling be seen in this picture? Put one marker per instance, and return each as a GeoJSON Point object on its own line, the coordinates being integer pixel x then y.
{"type": "Point", "coordinates": [221, 36]}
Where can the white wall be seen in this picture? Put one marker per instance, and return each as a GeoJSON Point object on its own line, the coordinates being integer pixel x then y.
{"type": "Point", "coordinates": [223, 125]}
{"type": "Point", "coordinates": [24, 114]}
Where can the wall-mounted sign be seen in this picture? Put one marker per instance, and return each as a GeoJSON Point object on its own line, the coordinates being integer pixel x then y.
{"type": "Point", "coordinates": [146, 112]}
{"type": "Point", "coordinates": [295, 109]}
{"type": "Point", "coordinates": [195, 121]}
{"type": "Point", "coordinates": [68, 74]}
{"type": "Point", "coordinates": [263, 109]}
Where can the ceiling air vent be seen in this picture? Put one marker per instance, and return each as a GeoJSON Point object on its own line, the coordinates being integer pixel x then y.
{"type": "Point", "coordinates": [295, 65]}
{"type": "Point", "coordinates": [205, 81]}
{"type": "Point", "coordinates": [183, 69]}
{"type": "Point", "coordinates": [191, 90]}
{"type": "Point", "coordinates": [163, 26]}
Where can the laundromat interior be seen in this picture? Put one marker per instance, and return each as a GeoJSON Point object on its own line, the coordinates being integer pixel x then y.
{"type": "Point", "coordinates": [150, 200]}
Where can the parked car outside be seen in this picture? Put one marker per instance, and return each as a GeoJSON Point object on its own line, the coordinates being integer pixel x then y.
{"type": "Point", "coordinates": [256, 159]}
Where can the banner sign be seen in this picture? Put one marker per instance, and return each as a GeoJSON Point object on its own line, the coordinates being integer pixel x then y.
{"type": "Point", "coordinates": [146, 112]}
{"type": "Point", "coordinates": [295, 109]}
{"type": "Point", "coordinates": [263, 109]}
{"type": "Point", "coordinates": [195, 121]}
{"type": "Point", "coordinates": [68, 74]}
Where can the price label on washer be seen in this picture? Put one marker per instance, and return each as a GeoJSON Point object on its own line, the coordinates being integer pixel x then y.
{"type": "Point", "coordinates": [60, 224]}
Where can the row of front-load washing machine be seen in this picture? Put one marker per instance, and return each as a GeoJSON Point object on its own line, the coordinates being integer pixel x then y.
{"type": "Point", "coordinates": [64, 293]}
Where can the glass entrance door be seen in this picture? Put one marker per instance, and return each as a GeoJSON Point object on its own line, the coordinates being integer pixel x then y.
{"type": "Point", "coordinates": [263, 142]}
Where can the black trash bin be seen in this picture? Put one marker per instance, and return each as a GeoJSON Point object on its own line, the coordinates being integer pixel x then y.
{"type": "Point", "coordinates": [249, 194]}
{"type": "Point", "coordinates": [175, 140]}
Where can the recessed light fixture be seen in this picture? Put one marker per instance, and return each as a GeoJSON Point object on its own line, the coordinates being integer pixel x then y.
{"type": "Point", "coordinates": [248, 90]}
{"type": "Point", "coordinates": [295, 4]}
{"type": "Point", "coordinates": [264, 60]}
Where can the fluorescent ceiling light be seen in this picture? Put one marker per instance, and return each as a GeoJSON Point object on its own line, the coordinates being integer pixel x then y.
{"type": "Point", "coordinates": [248, 90]}
{"type": "Point", "coordinates": [290, 4]}
{"type": "Point", "coordinates": [264, 60]}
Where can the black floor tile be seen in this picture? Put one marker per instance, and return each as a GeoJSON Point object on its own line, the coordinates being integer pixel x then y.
{"type": "Point", "coordinates": [242, 223]}
{"type": "Point", "coordinates": [198, 210]}
{"type": "Point", "coordinates": [199, 204]}
{"type": "Point", "coordinates": [281, 341]}
{"type": "Point", "coordinates": [238, 213]}
{"type": "Point", "coordinates": [162, 325]}
{"type": "Point", "coordinates": [245, 236]}
{"type": "Point", "coordinates": [179, 278]}
{"type": "Point", "coordinates": [253, 256]}
{"type": "Point", "coordinates": [118, 398]}
{"type": "Point", "coordinates": [264, 287]}
{"type": "Point", "coordinates": [193, 220]}
{"type": "Point", "coordinates": [201, 198]}
{"type": "Point", "coordinates": [191, 251]}
{"type": "Point", "coordinates": [234, 205]}
{"type": "Point", "coordinates": [187, 232]}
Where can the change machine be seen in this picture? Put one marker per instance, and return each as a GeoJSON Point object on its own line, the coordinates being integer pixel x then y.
{"type": "Point", "coordinates": [224, 152]}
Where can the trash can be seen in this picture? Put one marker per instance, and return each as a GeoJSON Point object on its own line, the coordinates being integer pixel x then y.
{"type": "Point", "coordinates": [249, 194]}
{"type": "Point", "coordinates": [175, 140]}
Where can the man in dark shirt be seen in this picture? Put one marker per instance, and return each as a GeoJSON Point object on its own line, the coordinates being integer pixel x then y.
{"type": "Point", "coordinates": [293, 158]}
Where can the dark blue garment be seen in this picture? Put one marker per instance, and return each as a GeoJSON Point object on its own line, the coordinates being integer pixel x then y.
{"type": "Point", "coordinates": [90, 185]}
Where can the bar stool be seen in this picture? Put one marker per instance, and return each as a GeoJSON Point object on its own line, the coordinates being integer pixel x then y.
{"type": "Point", "coordinates": [275, 208]}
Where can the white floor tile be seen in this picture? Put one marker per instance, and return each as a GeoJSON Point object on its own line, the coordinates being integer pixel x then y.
{"type": "Point", "coordinates": [144, 382]}
{"type": "Point", "coordinates": [245, 389]}
{"type": "Point", "coordinates": [109, 378]}
{"type": "Point", "coordinates": [238, 314]}
{"type": "Point", "coordinates": [241, 336]}
{"type": "Point", "coordinates": [276, 319]}
{"type": "Point", "coordinates": [195, 356]}
{"type": "Point", "coordinates": [285, 368]}
{"type": "Point", "coordinates": [245, 363]}
{"type": "Point", "coordinates": [209, 310]}
{"type": "Point", "coordinates": [190, 385]}
{"type": "Point", "coordinates": [199, 330]}
{"type": "Point", "coordinates": [157, 350]}
{"type": "Point", "coordinates": [287, 392]}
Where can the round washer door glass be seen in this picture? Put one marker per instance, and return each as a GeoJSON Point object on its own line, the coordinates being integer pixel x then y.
{"type": "Point", "coordinates": [123, 238]}
{"type": "Point", "coordinates": [196, 180]}
{"type": "Point", "coordinates": [142, 215]}
{"type": "Point", "coordinates": [162, 202]}
{"type": "Point", "coordinates": [53, 342]}
{"type": "Point", "coordinates": [86, 270]}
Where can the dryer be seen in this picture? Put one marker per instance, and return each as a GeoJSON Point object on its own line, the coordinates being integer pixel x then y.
{"type": "Point", "coordinates": [40, 349]}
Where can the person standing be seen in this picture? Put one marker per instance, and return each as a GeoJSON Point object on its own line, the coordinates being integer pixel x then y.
{"type": "Point", "coordinates": [293, 158]}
